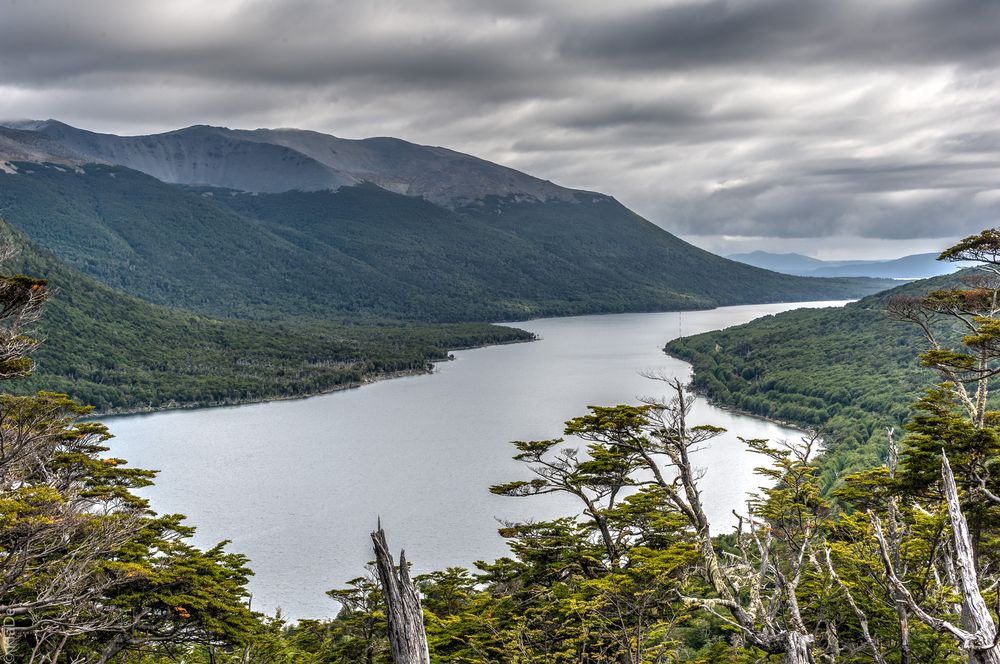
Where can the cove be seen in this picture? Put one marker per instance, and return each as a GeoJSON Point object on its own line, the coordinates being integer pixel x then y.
{"type": "Point", "coordinates": [298, 485]}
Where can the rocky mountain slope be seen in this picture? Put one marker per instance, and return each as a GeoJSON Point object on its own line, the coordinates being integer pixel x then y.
{"type": "Point", "coordinates": [278, 160]}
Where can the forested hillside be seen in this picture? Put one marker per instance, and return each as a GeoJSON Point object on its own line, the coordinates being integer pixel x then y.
{"type": "Point", "coordinates": [116, 351]}
{"type": "Point", "coordinates": [366, 253]}
{"type": "Point", "coordinates": [849, 372]}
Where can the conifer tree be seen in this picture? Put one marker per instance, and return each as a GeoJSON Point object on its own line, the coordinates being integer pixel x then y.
{"type": "Point", "coordinates": [88, 572]}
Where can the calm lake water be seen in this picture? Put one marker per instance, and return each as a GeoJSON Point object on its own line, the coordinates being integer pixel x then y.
{"type": "Point", "coordinates": [298, 485]}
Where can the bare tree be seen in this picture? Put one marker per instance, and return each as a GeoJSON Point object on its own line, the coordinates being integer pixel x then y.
{"type": "Point", "coordinates": [979, 634]}
{"type": "Point", "coordinates": [756, 590]}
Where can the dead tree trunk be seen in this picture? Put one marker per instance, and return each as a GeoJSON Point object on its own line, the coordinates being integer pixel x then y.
{"type": "Point", "coordinates": [407, 637]}
{"type": "Point", "coordinates": [978, 620]}
{"type": "Point", "coordinates": [978, 635]}
{"type": "Point", "coordinates": [895, 543]}
{"type": "Point", "coordinates": [798, 650]}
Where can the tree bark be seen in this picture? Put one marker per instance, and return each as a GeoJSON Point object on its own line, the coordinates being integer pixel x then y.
{"type": "Point", "coordinates": [797, 648]}
{"type": "Point", "coordinates": [895, 541]}
{"type": "Point", "coordinates": [407, 637]}
{"type": "Point", "coordinates": [114, 646]}
{"type": "Point", "coordinates": [988, 656]}
{"type": "Point", "coordinates": [983, 648]}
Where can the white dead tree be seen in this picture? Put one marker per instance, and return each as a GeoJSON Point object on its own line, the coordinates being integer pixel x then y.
{"type": "Point", "coordinates": [756, 587]}
{"type": "Point", "coordinates": [978, 634]}
{"type": "Point", "coordinates": [894, 551]}
{"type": "Point", "coordinates": [407, 637]}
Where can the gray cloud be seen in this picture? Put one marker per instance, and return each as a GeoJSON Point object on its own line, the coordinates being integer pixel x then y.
{"type": "Point", "coordinates": [783, 33]}
{"type": "Point", "coordinates": [760, 121]}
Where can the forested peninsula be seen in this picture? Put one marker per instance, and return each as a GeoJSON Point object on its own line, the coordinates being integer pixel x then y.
{"type": "Point", "coordinates": [849, 372]}
{"type": "Point", "coordinates": [119, 353]}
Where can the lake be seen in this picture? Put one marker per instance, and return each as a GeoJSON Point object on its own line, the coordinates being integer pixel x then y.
{"type": "Point", "coordinates": [298, 485]}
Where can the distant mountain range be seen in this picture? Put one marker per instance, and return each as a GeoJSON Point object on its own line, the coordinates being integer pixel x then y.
{"type": "Point", "coordinates": [289, 224]}
{"type": "Point", "coordinates": [915, 266]}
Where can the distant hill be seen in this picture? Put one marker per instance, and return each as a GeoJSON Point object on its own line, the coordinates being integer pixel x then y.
{"type": "Point", "coordinates": [279, 224]}
{"type": "Point", "coordinates": [916, 266]}
{"type": "Point", "coordinates": [789, 263]}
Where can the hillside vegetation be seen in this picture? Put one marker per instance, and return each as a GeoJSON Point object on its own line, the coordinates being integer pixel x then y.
{"type": "Point", "coordinates": [363, 252]}
{"type": "Point", "coordinates": [116, 351]}
{"type": "Point", "coordinates": [633, 572]}
{"type": "Point", "coordinates": [848, 371]}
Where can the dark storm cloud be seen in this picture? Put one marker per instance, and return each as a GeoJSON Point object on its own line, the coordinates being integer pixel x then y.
{"type": "Point", "coordinates": [751, 118]}
{"type": "Point", "coordinates": [265, 43]}
{"type": "Point", "coordinates": [793, 33]}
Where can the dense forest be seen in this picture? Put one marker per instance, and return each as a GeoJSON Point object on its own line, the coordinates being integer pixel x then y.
{"type": "Point", "coordinates": [898, 565]}
{"type": "Point", "coordinates": [849, 372]}
{"type": "Point", "coordinates": [191, 296]}
{"type": "Point", "coordinates": [365, 253]}
{"type": "Point", "coordinates": [117, 352]}
{"type": "Point", "coordinates": [177, 295]}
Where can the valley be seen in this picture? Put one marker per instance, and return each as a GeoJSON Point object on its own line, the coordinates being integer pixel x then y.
{"type": "Point", "coordinates": [197, 285]}
{"type": "Point", "coordinates": [535, 332]}
{"type": "Point", "coordinates": [441, 439]}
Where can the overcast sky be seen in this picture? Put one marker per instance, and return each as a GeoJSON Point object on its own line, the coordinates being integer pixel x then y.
{"type": "Point", "coordinates": [837, 128]}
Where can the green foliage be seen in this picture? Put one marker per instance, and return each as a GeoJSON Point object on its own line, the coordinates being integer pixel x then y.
{"type": "Point", "coordinates": [89, 571]}
{"type": "Point", "coordinates": [848, 372]}
{"type": "Point", "coordinates": [634, 577]}
{"type": "Point", "coordinates": [315, 284]}
{"type": "Point", "coordinates": [119, 352]}
{"type": "Point", "coordinates": [984, 247]}
{"type": "Point", "coordinates": [365, 253]}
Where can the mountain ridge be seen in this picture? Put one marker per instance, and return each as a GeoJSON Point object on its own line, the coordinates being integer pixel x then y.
{"type": "Point", "coordinates": [279, 160]}
{"type": "Point", "coordinates": [363, 252]}
{"type": "Point", "coordinates": [913, 266]}
{"type": "Point", "coordinates": [279, 224]}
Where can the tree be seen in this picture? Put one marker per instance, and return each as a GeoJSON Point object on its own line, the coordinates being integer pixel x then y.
{"type": "Point", "coordinates": [361, 623]}
{"type": "Point", "coordinates": [753, 587]}
{"type": "Point", "coordinates": [87, 570]}
{"type": "Point", "coordinates": [954, 424]}
{"type": "Point", "coordinates": [623, 559]}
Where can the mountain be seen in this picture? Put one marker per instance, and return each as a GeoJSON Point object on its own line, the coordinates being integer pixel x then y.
{"type": "Point", "coordinates": [916, 266]}
{"type": "Point", "coordinates": [116, 351]}
{"type": "Point", "coordinates": [31, 146]}
{"type": "Point", "coordinates": [278, 160]}
{"type": "Point", "coordinates": [790, 263]}
{"type": "Point", "coordinates": [247, 224]}
{"type": "Point", "coordinates": [849, 372]}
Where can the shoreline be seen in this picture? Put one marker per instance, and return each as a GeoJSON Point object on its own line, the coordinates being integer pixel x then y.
{"type": "Point", "coordinates": [428, 369]}
{"type": "Point", "coordinates": [346, 444]}
{"type": "Point", "coordinates": [231, 403]}
{"type": "Point", "coordinates": [699, 392]}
